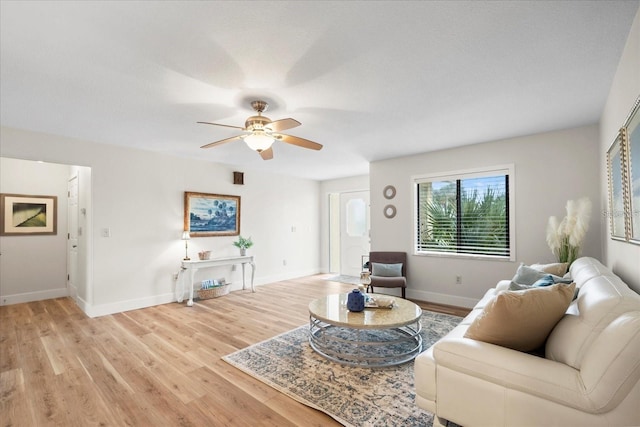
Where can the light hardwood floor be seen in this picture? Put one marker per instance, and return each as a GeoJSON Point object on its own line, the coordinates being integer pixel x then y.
{"type": "Point", "coordinates": [158, 366]}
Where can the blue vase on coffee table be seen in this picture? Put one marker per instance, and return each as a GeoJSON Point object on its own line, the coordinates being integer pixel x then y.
{"type": "Point", "coordinates": [355, 301]}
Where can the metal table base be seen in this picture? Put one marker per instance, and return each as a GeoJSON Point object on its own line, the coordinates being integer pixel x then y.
{"type": "Point", "coordinates": [369, 347]}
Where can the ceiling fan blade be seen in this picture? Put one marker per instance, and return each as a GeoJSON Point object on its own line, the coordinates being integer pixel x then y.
{"type": "Point", "coordinates": [300, 142]}
{"type": "Point", "coordinates": [283, 124]}
{"type": "Point", "coordinates": [222, 141]}
{"type": "Point", "coordinates": [267, 154]}
{"type": "Point", "coordinates": [218, 124]}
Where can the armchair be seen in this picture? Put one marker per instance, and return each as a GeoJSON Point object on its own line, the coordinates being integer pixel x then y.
{"type": "Point", "coordinates": [385, 277]}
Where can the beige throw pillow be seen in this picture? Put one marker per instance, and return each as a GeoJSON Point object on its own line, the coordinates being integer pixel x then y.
{"type": "Point", "coordinates": [556, 268]}
{"type": "Point", "coordinates": [521, 320]}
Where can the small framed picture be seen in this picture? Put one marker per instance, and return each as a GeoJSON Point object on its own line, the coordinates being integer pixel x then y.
{"type": "Point", "coordinates": [25, 215]}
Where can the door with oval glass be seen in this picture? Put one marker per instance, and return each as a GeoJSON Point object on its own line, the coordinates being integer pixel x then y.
{"type": "Point", "coordinates": [354, 231]}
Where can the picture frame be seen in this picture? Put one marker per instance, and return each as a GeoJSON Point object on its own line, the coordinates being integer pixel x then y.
{"type": "Point", "coordinates": [28, 215]}
{"type": "Point", "coordinates": [208, 215]}
{"type": "Point", "coordinates": [632, 145]}
{"type": "Point", "coordinates": [616, 176]}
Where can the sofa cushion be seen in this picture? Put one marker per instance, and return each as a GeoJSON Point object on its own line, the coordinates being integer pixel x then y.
{"type": "Point", "coordinates": [611, 367]}
{"type": "Point", "coordinates": [386, 270]}
{"type": "Point", "coordinates": [602, 298]}
{"type": "Point", "coordinates": [586, 268]}
{"type": "Point", "coordinates": [521, 320]}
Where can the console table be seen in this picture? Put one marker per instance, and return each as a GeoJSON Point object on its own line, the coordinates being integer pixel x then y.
{"type": "Point", "coordinates": [194, 265]}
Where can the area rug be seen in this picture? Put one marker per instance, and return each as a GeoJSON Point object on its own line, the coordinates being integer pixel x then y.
{"type": "Point", "coordinates": [352, 396]}
{"type": "Point", "coordinates": [352, 280]}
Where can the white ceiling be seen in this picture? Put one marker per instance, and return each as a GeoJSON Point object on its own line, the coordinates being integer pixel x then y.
{"type": "Point", "coordinates": [368, 80]}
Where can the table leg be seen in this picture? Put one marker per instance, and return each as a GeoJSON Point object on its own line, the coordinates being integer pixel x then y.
{"type": "Point", "coordinates": [253, 273]}
{"type": "Point", "coordinates": [192, 275]}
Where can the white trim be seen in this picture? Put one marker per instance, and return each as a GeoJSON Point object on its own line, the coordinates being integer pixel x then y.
{"type": "Point", "coordinates": [468, 173]}
{"type": "Point", "coordinates": [33, 296]}
{"type": "Point", "coordinates": [438, 298]}
{"type": "Point", "coordinates": [135, 304]}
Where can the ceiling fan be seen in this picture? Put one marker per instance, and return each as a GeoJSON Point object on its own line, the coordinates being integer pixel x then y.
{"type": "Point", "coordinates": [261, 132]}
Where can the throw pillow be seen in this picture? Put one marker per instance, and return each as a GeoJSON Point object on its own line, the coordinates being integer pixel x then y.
{"type": "Point", "coordinates": [543, 282]}
{"type": "Point", "coordinates": [526, 275]}
{"type": "Point", "coordinates": [513, 286]}
{"type": "Point", "coordinates": [556, 268]}
{"type": "Point", "coordinates": [386, 270]}
{"type": "Point", "coordinates": [521, 320]}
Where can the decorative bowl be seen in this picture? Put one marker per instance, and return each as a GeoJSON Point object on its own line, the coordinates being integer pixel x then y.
{"type": "Point", "coordinates": [384, 302]}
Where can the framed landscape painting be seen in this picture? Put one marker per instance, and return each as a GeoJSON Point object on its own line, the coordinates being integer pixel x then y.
{"type": "Point", "coordinates": [211, 214]}
{"type": "Point", "coordinates": [25, 215]}
{"type": "Point", "coordinates": [632, 142]}
{"type": "Point", "coordinates": [616, 171]}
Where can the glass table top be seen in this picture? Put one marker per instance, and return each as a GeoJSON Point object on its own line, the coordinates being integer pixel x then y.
{"type": "Point", "coordinates": [333, 310]}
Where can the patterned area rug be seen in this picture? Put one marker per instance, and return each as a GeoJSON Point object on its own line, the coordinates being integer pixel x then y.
{"type": "Point", "coordinates": [352, 396]}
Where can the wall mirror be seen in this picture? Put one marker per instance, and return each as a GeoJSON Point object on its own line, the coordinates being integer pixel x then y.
{"type": "Point", "coordinates": [390, 211]}
{"type": "Point", "coordinates": [389, 192]}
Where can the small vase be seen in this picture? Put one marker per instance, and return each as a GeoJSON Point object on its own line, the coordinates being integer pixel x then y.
{"type": "Point", "coordinates": [355, 301]}
{"type": "Point", "coordinates": [243, 251]}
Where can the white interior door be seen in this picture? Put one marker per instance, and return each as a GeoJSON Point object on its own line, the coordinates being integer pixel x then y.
{"type": "Point", "coordinates": [72, 240]}
{"type": "Point", "coordinates": [354, 231]}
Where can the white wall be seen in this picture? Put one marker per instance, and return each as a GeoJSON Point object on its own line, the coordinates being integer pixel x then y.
{"type": "Point", "coordinates": [355, 183]}
{"type": "Point", "coordinates": [139, 195]}
{"type": "Point", "coordinates": [623, 258]}
{"type": "Point", "coordinates": [550, 169]}
{"type": "Point", "coordinates": [85, 236]}
{"type": "Point", "coordinates": [34, 267]}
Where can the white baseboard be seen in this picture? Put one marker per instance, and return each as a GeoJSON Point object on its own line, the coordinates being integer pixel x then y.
{"type": "Point", "coordinates": [284, 276]}
{"type": "Point", "coordinates": [33, 296]}
{"type": "Point", "coordinates": [120, 306]}
{"type": "Point", "coordinates": [441, 298]}
{"type": "Point", "coordinates": [84, 305]}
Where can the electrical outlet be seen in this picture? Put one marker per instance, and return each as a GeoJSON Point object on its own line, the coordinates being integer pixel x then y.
{"type": "Point", "coordinates": [284, 262]}
{"type": "Point", "coordinates": [458, 280]}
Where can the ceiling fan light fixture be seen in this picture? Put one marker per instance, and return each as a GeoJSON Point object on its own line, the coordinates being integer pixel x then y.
{"type": "Point", "coordinates": [258, 141]}
{"type": "Point", "coordinates": [260, 133]}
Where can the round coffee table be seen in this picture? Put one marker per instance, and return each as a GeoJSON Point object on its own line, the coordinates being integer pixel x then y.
{"type": "Point", "coordinates": [375, 337]}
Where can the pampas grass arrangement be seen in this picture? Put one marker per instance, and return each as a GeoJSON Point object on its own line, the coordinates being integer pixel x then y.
{"type": "Point", "coordinates": [565, 237]}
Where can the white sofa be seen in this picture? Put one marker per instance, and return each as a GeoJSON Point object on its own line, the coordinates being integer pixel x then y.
{"type": "Point", "coordinates": [589, 375]}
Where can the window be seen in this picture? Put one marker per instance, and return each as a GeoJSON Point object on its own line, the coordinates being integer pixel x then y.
{"type": "Point", "coordinates": [465, 214]}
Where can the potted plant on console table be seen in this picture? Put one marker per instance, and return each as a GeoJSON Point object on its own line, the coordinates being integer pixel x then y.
{"type": "Point", "coordinates": [243, 244]}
